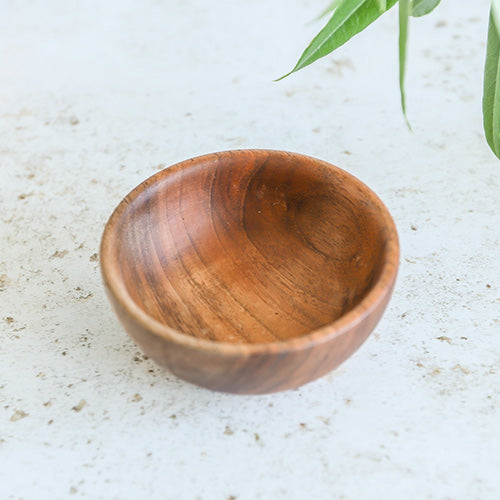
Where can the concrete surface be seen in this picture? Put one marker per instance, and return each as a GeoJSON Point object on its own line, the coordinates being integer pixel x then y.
{"type": "Point", "coordinates": [97, 96]}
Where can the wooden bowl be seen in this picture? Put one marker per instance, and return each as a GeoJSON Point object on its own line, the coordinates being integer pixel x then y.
{"type": "Point", "coordinates": [250, 271]}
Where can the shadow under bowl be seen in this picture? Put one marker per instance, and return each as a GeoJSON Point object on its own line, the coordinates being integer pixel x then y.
{"type": "Point", "coordinates": [250, 271]}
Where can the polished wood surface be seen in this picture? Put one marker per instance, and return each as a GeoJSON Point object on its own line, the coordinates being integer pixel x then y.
{"type": "Point", "coordinates": [250, 271]}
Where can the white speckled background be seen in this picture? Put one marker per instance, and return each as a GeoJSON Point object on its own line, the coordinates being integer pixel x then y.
{"type": "Point", "coordinates": [95, 97]}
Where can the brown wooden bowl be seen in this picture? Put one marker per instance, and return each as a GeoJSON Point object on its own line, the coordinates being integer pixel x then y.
{"type": "Point", "coordinates": [250, 271]}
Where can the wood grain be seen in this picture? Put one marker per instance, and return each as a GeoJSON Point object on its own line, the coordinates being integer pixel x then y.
{"type": "Point", "coordinates": [250, 271]}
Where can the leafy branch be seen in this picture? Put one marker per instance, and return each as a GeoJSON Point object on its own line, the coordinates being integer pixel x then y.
{"type": "Point", "coordinates": [350, 17]}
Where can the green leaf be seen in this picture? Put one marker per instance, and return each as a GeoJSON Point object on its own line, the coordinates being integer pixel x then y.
{"type": "Point", "coordinates": [349, 18]}
{"type": "Point", "coordinates": [403, 38]}
{"type": "Point", "coordinates": [420, 8]}
{"type": "Point", "coordinates": [491, 93]}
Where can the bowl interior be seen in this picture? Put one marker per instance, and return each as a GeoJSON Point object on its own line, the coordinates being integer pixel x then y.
{"type": "Point", "coordinates": [249, 247]}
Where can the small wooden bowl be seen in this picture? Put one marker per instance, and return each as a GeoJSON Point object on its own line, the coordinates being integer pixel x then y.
{"type": "Point", "coordinates": [250, 271]}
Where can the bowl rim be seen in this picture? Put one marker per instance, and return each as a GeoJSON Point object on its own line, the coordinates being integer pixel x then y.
{"type": "Point", "coordinates": [111, 274]}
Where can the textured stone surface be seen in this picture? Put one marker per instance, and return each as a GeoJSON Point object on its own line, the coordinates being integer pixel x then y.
{"type": "Point", "coordinates": [95, 98]}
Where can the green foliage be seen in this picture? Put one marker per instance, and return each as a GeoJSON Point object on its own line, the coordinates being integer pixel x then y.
{"type": "Point", "coordinates": [350, 17]}
{"type": "Point", "coordinates": [404, 12]}
{"type": "Point", "coordinates": [491, 95]}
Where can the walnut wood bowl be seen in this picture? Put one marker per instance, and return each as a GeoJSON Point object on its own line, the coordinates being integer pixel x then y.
{"type": "Point", "coordinates": [250, 271]}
